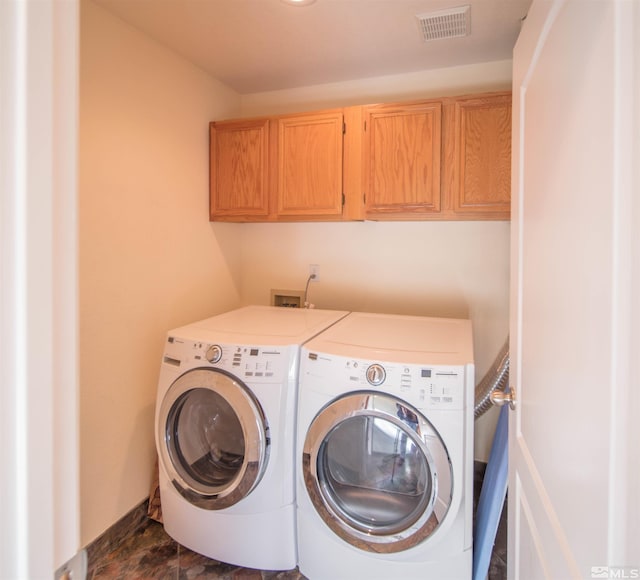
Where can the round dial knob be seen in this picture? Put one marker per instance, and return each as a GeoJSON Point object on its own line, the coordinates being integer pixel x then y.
{"type": "Point", "coordinates": [214, 353]}
{"type": "Point", "coordinates": [376, 375]}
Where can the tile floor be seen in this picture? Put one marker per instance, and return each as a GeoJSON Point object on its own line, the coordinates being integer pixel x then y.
{"type": "Point", "coordinates": [147, 552]}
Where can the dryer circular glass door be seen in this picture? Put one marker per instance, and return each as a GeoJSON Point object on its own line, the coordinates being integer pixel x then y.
{"type": "Point", "coordinates": [213, 438]}
{"type": "Point", "coordinates": [377, 472]}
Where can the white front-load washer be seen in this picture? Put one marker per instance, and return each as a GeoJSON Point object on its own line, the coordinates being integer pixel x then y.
{"type": "Point", "coordinates": [225, 431]}
{"type": "Point", "coordinates": [384, 465]}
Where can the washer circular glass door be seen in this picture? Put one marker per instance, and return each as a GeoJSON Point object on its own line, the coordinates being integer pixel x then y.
{"type": "Point", "coordinates": [377, 472]}
{"type": "Point", "coordinates": [213, 438]}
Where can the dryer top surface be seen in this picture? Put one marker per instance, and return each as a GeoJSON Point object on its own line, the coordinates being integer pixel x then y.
{"type": "Point", "coordinates": [261, 325]}
{"type": "Point", "coordinates": [398, 338]}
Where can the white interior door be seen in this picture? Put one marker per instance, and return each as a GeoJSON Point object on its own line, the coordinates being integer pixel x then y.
{"type": "Point", "coordinates": [573, 449]}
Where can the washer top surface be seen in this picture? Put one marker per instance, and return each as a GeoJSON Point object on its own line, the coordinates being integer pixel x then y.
{"type": "Point", "coordinates": [261, 325]}
{"type": "Point", "coordinates": [397, 338]}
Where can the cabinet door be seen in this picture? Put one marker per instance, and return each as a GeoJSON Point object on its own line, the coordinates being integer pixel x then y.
{"type": "Point", "coordinates": [402, 160]}
{"type": "Point", "coordinates": [239, 170]}
{"type": "Point", "coordinates": [309, 180]}
{"type": "Point", "coordinates": [482, 181]}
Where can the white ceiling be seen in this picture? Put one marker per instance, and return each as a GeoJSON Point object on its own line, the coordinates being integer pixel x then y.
{"type": "Point", "coordinates": [262, 45]}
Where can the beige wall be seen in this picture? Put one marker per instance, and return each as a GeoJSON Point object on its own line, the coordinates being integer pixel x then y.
{"type": "Point", "coordinates": [458, 269]}
{"type": "Point", "coordinates": [149, 258]}
{"type": "Point", "coordinates": [459, 80]}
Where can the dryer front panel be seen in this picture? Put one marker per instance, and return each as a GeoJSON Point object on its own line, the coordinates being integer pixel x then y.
{"type": "Point", "coordinates": [377, 472]}
{"type": "Point", "coordinates": [213, 438]}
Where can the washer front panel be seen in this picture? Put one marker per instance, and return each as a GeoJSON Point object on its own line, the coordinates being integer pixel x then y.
{"type": "Point", "coordinates": [214, 438]}
{"type": "Point", "coordinates": [377, 472]}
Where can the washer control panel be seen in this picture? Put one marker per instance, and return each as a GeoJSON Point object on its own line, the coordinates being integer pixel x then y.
{"type": "Point", "coordinates": [251, 363]}
{"type": "Point", "coordinates": [434, 386]}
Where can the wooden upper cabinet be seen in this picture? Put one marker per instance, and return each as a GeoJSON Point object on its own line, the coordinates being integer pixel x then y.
{"type": "Point", "coordinates": [441, 159]}
{"type": "Point", "coordinates": [287, 168]}
{"type": "Point", "coordinates": [309, 161]}
{"type": "Point", "coordinates": [239, 169]}
{"type": "Point", "coordinates": [479, 177]}
{"type": "Point", "coordinates": [402, 160]}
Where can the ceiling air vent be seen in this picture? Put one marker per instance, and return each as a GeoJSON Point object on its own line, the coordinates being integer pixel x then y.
{"type": "Point", "coordinates": [445, 23]}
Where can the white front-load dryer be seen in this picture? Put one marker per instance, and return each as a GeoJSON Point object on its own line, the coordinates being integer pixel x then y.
{"type": "Point", "coordinates": [225, 431]}
{"type": "Point", "coordinates": [384, 465]}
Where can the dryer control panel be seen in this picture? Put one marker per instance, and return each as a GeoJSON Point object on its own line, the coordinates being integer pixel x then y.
{"type": "Point", "coordinates": [250, 363]}
{"type": "Point", "coordinates": [425, 386]}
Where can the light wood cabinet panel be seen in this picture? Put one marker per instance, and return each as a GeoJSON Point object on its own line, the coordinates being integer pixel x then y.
{"type": "Point", "coordinates": [239, 169]}
{"type": "Point", "coordinates": [402, 159]}
{"type": "Point", "coordinates": [480, 179]}
{"type": "Point", "coordinates": [310, 154]}
{"type": "Point", "coordinates": [353, 208]}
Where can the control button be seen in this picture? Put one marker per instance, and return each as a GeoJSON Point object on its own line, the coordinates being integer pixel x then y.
{"type": "Point", "coordinates": [376, 375]}
{"type": "Point", "coordinates": [435, 399]}
{"type": "Point", "coordinates": [214, 353]}
{"type": "Point", "coordinates": [447, 399]}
